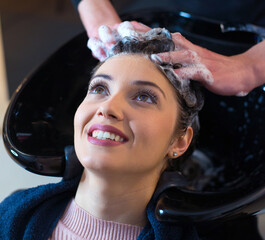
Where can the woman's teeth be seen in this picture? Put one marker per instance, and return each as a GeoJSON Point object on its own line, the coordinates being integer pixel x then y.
{"type": "Point", "coordinates": [106, 135]}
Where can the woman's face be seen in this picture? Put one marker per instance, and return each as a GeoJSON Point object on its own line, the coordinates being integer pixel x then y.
{"type": "Point", "coordinates": [126, 122]}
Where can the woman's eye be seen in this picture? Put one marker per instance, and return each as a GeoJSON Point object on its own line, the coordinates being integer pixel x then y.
{"type": "Point", "coordinates": [98, 90]}
{"type": "Point", "coordinates": [146, 98]}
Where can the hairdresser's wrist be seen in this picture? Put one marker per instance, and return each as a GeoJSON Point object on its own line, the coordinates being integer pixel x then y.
{"type": "Point", "coordinates": [94, 13]}
{"type": "Point", "coordinates": [259, 72]}
{"type": "Point", "coordinates": [256, 60]}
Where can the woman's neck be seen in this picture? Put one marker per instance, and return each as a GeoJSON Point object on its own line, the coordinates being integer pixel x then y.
{"type": "Point", "coordinates": [115, 198]}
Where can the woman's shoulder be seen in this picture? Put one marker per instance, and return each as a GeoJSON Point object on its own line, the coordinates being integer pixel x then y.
{"type": "Point", "coordinates": [25, 209]}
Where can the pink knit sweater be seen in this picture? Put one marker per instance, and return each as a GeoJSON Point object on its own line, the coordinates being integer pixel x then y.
{"type": "Point", "coordinates": [77, 224]}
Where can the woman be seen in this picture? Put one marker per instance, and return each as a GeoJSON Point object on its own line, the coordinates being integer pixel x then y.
{"type": "Point", "coordinates": [136, 121]}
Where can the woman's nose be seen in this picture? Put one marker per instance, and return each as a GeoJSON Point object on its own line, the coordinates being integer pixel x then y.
{"type": "Point", "coordinates": [112, 108]}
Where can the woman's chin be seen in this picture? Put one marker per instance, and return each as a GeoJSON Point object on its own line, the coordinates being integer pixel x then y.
{"type": "Point", "coordinates": [101, 165]}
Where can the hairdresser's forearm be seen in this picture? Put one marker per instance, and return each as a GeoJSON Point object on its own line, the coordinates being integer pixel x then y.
{"type": "Point", "coordinates": [256, 56]}
{"type": "Point", "coordinates": [94, 13]}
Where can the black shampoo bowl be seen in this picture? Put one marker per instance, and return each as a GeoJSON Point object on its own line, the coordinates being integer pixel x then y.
{"type": "Point", "coordinates": [39, 125]}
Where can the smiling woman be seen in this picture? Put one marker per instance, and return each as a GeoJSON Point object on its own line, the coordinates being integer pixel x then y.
{"type": "Point", "coordinates": [136, 121]}
{"type": "Point", "coordinates": [131, 123]}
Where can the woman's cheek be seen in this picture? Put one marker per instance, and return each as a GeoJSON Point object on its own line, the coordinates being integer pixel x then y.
{"type": "Point", "coordinates": [82, 116]}
{"type": "Point", "coordinates": [78, 118]}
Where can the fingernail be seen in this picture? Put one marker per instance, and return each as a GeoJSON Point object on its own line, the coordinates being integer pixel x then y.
{"type": "Point", "coordinates": [156, 58]}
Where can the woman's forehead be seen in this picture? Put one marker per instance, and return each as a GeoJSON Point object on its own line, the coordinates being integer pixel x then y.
{"type": "Point", "coordinates": [132, 66]}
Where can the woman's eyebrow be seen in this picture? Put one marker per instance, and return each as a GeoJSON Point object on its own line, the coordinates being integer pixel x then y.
{"type": "Point", "coordinates": [105, 76]}
{"type": "Point", "coordinates": [141, 82]}
{"type": "Point", "coordinates": [137, 82]}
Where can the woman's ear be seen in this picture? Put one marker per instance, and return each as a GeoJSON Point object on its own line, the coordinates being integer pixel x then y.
{"type": "Point", "coordinates": [181, 144]}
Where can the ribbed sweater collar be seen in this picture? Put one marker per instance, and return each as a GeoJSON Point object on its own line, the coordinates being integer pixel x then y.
{"type": "Point", "coordinates": [83, 224]}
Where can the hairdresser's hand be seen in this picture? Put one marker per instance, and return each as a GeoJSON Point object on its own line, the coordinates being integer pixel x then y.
{"type": "Point", "coordinates": [235, 75]}
{"type": "Point", "coordinates": [108, 36]}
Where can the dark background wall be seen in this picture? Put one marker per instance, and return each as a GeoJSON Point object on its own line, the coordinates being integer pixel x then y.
{"type": "Point", "coordinates": [32, 30]}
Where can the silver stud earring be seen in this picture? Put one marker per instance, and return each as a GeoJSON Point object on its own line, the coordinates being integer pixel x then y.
{"type": "Point", "coordinates": [175, 154]}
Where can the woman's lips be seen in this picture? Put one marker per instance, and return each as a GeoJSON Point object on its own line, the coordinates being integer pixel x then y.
{"type": "Point", "coordinates": [106, 142]}
{"type": "Point", "coordinates": [103, 142]}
